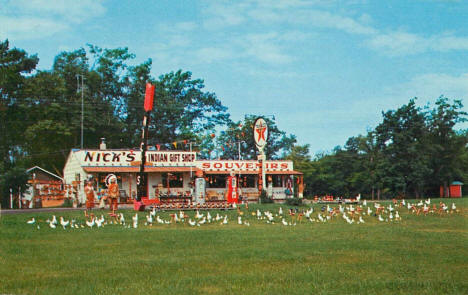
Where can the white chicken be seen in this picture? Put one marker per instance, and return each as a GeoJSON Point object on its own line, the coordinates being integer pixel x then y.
{"type": "Point", "coordinates": [64, 223]}
{"type": "Point", "coordinates": [192, 222]}
{"type": "Point", "coordinates": [91, 223]}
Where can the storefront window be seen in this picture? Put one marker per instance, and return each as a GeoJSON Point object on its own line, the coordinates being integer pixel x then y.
{"type": "Point", "coordinates": [216, 181]}
{"type": "Point", "coordinates": [176, 179]}
{"type": "Point", "coordinates": [277, 180]}
{"type": "Point", "coordinates": [247, 180]}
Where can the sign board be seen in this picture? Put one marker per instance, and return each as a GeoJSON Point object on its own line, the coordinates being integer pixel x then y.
{"type": "Point", "coordinates": [246, 165]}
{"type": "Point", "coordinates": [260, 133]}
{"type": "Point", "coordinates": [133, 158]}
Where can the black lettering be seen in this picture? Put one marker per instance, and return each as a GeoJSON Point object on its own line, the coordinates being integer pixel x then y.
{"type": "Point", "coordinates": [88, 157]}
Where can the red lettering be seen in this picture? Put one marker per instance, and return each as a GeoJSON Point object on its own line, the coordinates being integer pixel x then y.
{"type": "Point", "coordinates": [284, 165]}
{"type": "Point", "coordinates": [229, 164]}
{"type": "Point", "coordinates": [239, 165]}
{"type": "Point", "coordinates": [217, 165]}
{"type": "Point", "coordinates": [206, 165]}
{"type": "Point", "coordinates": [249, 165]}
{"type": "Point", "coordinates": [274, 165]}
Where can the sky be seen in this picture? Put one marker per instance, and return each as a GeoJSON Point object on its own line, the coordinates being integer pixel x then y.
{"type": "Point", "coordinates": [324, 69]}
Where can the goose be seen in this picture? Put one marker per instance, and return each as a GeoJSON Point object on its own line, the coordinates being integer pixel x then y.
{"type": "Point", "coordinates": [52, 225]}
{"type": "Point", "coordinates": [239, 220]}
{"type": "Point", "coordinates": [361, 220]}
{"type": "Point", "coordinates": [397, 216]}
{"type": "Point", "coordinates": [380, 218]}
{"type": "Point", "coordinates": [280, 211]}
{"type": "Point", "coordinates": [32, 221]}
{"type": "Point", "coordinates": [225, 220]}
{"type": "Point", "coordinates": [364, 203]}
{"type": "Point", "coordinates": [208, 217]}
{"type": "Point", "coordinates": [284, 222]}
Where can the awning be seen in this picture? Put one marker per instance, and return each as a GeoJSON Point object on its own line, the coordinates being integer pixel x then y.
{"type": "Point", "coordinates": [255, 172]}
{"type": "Point", "coordinates": [229, 172]}
{"type": "Point", "coordinates": [113, 169]}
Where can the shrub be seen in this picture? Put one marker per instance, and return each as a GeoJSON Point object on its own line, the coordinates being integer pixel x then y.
{"type": "Point", "coordinates": [294, 202]}
{"type": "Point", "coordinates": [264, 199]}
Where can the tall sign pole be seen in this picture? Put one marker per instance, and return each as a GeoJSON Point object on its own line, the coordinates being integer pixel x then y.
{"type": "Point", "coordinates": [261, 137]}
{"type": "Point", "coordinates": [142, 177]}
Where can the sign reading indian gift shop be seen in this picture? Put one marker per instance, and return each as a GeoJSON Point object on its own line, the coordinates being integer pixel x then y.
{"type": "Point", "coordinates": [133, 158]}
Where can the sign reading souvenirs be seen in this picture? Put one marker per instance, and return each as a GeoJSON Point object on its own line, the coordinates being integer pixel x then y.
{"type": "Point", "coordinates": [260, 133]}
{"type": "Point", "coordinates": [244, 165]}
{"type": "Point", "coordinates": [132, 158]}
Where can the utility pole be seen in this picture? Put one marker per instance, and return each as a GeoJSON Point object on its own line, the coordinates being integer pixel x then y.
{"type": "Point", "coordinates": [82, 102]}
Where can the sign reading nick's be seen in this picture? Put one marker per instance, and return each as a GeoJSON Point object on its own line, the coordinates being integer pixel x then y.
{"type": "Point", "coordinates": [133, 158]}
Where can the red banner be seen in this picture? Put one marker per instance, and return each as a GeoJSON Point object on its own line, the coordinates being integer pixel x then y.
{"type": "Point", "coordinates": [149, 96]}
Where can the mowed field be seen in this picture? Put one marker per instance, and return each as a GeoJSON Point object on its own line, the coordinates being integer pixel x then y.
{"type": "Point", "coordinates": [417, 255]}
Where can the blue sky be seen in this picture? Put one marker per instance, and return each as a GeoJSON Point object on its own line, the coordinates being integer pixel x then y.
{"type": "Point", "coordinates": [325, 69]}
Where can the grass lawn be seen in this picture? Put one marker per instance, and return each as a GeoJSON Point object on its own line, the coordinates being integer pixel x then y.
{"type": "Point", "coordinates": [419, 255]}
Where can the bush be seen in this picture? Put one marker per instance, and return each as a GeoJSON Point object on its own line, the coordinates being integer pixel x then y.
{"type": "Point", "coordinates": [294, 202]}
{"type": "Point", "coordinates": [67, 202]}
{"type": "Point", "coordinates": [264, 199]}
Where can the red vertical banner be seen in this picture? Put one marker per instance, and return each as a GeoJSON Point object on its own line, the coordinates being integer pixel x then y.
{"type": "Point", "coordinates": [149, 96]}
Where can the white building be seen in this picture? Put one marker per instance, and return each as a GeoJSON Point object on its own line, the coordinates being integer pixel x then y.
{"type": "Point", "coordinates": [172, 172]}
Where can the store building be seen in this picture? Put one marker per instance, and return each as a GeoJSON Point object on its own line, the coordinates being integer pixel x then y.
{"type": "Point", "coordinates": [172, 173]}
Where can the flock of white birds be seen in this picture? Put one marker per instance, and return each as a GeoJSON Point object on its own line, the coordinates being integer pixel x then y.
{"type": "Point", "coordinates": [351, 214]}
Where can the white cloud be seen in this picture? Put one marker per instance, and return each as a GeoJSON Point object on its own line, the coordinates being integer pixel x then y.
{"type": "Point", "coordinates": [213, 54]}
{"type": "Point", "coordinates": [428, 87]}
{"type": "Point", "coordinates": [325, 19]}
{"type": "Point", "coordinates": [35, 19]}
{"type": "Point", "coordinates": [74, 11]}
{"type": "Point", "coordinates": [403, 43]}
{"type": "Point", "coordinates": [29, 27]}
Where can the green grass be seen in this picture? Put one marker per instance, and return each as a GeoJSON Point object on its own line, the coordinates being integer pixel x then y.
{"type": "Point", "coordinates": [419, 255]}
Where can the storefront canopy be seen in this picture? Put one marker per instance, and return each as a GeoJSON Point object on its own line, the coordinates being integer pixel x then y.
{"type": "Point", "coordinates": [114, 169]}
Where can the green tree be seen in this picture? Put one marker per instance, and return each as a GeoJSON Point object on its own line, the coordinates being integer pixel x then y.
{"type": "Point", "coordinates": [448, 147]}
{"type": "Point", "coordinates": [14, 65]}
{"type": "Point", "coordinates": [183, 111]}
{"type": "Point", "coordinates": [279, 144]}
{"type": "Point", "coordinates": [403, 139]}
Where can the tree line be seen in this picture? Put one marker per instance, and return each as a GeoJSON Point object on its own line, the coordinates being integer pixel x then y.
{"type": "Point", "coordinates": [411, 152]}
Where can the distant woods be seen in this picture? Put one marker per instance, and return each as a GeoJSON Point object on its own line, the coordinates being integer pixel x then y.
{"type": "Point", "coordinates": [411, 152]}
